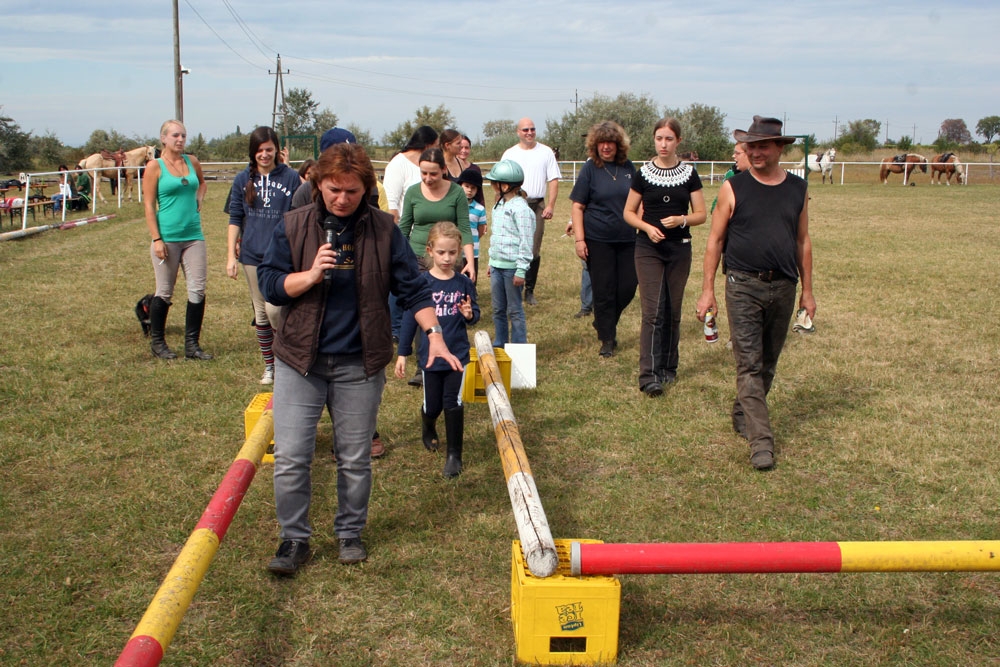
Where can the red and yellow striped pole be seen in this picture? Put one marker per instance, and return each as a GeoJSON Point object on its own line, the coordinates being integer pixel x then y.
{"type": "Point", "coordinates": [769, 557]}
{"type": "Point", "coordinates": [159, 624]}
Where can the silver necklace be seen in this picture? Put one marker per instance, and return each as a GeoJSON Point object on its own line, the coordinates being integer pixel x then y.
{"type": "Point", "coordinates": [614, 176]}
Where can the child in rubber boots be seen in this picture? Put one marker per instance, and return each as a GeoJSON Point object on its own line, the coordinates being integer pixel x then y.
{"type": "Point", "coordinates": [510, 252]}
{"type": "Point", "coordinates": [455, 304]}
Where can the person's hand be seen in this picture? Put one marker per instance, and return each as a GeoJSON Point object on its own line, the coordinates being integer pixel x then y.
{"type": "Point", "coordinates": [569, 228]}
{"type": "Point", "coordinates": [547, 213]}
{"type": "Point", "coordinates": [469, 270]}
{"type": "Point", "coordinates": [160, 250]}
{"type": "Point", "coordinates": [705, 303]}
{"type": "Point", "coordinates": [436, 349]}
{"type": "Point", "coordinates": [808, 301]}
{"type": "Point", "coordinates": [581, 249]}
{"type": "Point", "coordinates": [518, 282]}
{"type": "Point", "coordinates": [232, 268]}
{"type": "Point", "coordinates": [283, 155]}
{"type": "Point", "coordinates": [654, 234]}
{"type": "Point", "coordinates": [325, 259]}
{"type": "Point", "coordinates": [465, 307]}
{"type": "Point", "coordinates": [672, 221]}
{"type": "Point", "coordinates": [400, 367]}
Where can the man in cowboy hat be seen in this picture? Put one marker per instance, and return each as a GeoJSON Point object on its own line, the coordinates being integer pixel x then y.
{"type": "Point", "coordinates": [763, 221]}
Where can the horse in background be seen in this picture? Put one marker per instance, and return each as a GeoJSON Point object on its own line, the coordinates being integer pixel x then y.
{"type": "Point", "coordinates": [105, 165]}
{"type": "Point", "coordinates": [947, 164]}
{"type": "Point", "coordinates": [822, 162]}
{"type": "Point", "coordinates": [688, 156]}
{"type": "Point", "coordinates": [904, 164]}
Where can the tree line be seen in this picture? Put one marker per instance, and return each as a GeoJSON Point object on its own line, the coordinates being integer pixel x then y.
{"type": "Point", "coordinates": [303, 120]}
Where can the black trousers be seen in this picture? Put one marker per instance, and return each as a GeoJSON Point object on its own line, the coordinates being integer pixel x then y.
{"type": "Point", "coordinates": [613, 279]}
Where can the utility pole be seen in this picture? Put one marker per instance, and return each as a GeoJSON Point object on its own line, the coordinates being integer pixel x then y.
{"type": "Point", "coordinates": [279, 84]}
{"type": "Point", "coordinates": [576, 101]}
{"type": "Point", "coordinates": [178, 76]}
{"type": "Point", "coordinates": [887, 130]}
{"type": "Point", "coordinates": [835, 128]}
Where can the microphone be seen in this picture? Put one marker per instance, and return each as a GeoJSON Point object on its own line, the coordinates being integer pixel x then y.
{"type": "Point", "coordinates": [329, 226]}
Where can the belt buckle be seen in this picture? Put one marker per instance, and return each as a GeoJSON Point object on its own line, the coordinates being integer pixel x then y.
{"type": "Point", "coordinates": [765, 276]}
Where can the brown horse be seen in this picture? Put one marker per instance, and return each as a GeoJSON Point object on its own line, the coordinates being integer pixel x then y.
{"type": "Point", "coordinates": [947, 164]}
{"type": "Point", "coordinates": [904, 164]}
{"type": "Point", "coordinates": [106, 165]}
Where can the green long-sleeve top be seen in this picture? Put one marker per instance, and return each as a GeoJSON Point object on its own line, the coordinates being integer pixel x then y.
{"type": "Point", "coordinates": [419, 214]}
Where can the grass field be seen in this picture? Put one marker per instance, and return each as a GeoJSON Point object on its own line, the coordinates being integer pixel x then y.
{"type": "Point", "coordinates": [885, 418]}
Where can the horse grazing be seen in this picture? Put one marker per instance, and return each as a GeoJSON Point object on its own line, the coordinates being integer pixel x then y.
{"type": "Point", "coordinates": [947, 164]}
{"type": "Point", "coordinates": [822, 162]}
{"type": "Point", "coordinates": [904, 164]}
{"type": "Point", "coordinates": [105, 165]}
{"type": "Point", "coordinates": [689, 156]}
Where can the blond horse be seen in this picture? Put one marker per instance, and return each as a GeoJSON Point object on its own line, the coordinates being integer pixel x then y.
{"type": "Point", "coordinates": [104, 167]}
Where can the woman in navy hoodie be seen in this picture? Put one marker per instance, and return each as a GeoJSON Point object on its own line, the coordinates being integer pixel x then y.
{"type": "Point", "coordinates": [261, 195]}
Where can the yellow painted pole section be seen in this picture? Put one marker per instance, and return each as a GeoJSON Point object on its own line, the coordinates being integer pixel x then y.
{"type": "Point", "coordinates": [178, 588]}
{"type": "Point", "coordinates": [943, 556]}
{"type": "Point", "coordinates": [258, 440]}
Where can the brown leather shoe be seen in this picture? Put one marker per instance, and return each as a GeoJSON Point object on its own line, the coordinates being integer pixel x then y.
{"type": "Point", "coordinates": [378, 448]}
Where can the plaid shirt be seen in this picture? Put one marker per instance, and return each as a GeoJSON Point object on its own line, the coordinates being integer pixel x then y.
{"type": "Point", "coordinates": [512, 235]}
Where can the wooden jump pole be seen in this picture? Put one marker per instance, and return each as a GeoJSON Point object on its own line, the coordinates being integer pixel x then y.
{"type": "Point", "coordinates": [149, 641]}
{"type": "Point", "coordinates": [532, 527]}
{"type": "Point", "coordinates": [770, 557]}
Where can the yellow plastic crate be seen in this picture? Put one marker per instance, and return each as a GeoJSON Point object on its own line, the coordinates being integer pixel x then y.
{"type": "Point", "coordinates": [250, 417]}
{"type": "Point", "coordinates": [473, 387]}
{"type": "Point", "coordinates": [562, 619]}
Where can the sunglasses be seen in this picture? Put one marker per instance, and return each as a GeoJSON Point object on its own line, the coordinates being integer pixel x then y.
{"type": "Point", "coordinates": [527, 129]}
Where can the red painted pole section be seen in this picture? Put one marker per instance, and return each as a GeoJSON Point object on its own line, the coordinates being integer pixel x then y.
{"type": "Point", "coordinates": [222, 508]}
{"type": "Point", "coordinates": [713, 558]}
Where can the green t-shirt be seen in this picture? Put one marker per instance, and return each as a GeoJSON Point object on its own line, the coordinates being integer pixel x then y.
{"type": "Point", "coordinates": [419, 214]}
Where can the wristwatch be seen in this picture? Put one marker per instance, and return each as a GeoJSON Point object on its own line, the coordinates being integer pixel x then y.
{"type": "Point", "coordinates": [434, 329]}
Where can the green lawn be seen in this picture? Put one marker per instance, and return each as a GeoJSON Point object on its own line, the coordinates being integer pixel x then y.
{"type": "Point", "coordinates": [885, 418]}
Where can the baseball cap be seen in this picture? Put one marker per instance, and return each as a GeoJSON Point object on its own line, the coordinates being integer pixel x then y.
{"type": "Point", "coordinates": [336, 135]}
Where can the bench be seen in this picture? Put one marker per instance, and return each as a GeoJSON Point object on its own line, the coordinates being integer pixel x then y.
{"type": "Point", "coordinates": [32, 206]}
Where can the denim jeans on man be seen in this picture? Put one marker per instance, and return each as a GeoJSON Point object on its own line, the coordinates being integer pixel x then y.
{"type": "Point", "coordinates": [338, 384]}
{"type": "Point", "coordinates": [759, 313]}
{"type": "Point", "coordinates": [507, 305]}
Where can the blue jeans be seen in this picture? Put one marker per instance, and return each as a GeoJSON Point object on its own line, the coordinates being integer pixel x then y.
{"type": "Point", "coordinates": [759, 313]}
{"type": "Point", "coordinates": [340, 385]}
{"type": "Point", "coordinates": [586, 289]}
{"type": "Point", "coordinates": [507, 306]}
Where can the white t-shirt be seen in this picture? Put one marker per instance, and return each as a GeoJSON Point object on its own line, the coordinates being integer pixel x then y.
{"type": "Point", "coordinates": [400, 174]}
{"type": "Point", "coordinates": [539, 165]}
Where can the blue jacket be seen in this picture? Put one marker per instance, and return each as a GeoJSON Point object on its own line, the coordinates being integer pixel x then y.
{"type": "Point", "coordinates": [272, 199]}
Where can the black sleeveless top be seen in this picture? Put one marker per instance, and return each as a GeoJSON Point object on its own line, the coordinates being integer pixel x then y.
{"type": "Point", "coordinates": [763, 230]}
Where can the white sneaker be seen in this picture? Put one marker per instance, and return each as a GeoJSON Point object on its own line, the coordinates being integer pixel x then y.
{"type": "Point", "coordinates": [268, 377]}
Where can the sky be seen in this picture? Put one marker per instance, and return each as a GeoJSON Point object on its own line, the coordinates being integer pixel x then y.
{"type": "Point", "coordinates": [816, 65]}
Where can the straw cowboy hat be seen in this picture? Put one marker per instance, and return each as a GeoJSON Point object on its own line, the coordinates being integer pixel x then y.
{"type": "Point", "coordinates": [763, 129]}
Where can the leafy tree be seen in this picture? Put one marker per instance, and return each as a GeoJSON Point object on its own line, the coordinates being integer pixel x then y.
{"type": "Point", "coordinates": [231, 148]}
{"type": "Point", "coordinates": [325, 119]}
{"type": "Point", "coordinates": [905, 142]}
{"type": "Point", "coordinates": [636, 114]}
{"type": "Point", "coordinates": [860, 133]}
{"type": "Point", "coordinates": [988, 127]}
{"type": "Point", "coordinates": [48, 151]}
{"type": "Point", "coordinates": [703, 130]}
{"type": "Point", "coordinates": [15, 152]}
{"type": "Point", "coordinates": [104, 140]}
{"type": "Point", "coordinates": [439, 119]}
{"type": "Point", "coordinates": [502, 127]}
{"type": "Point", "coordinates": [299, 112]}
{"type": "Point", "coordinates": [199, 148]}
{"type": "Point", "coordinates": [363, 136]}
{"type": "Point", "coordinates": [954, 131]}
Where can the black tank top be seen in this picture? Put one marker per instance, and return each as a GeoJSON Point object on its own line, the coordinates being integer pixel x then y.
{"type": "Point", "coordinates": [763, 229]}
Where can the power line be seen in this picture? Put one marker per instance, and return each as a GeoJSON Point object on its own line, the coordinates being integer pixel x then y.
{"type": "Point", "coordinates": [202, 18]}
{"type": "Point", "coordinates": [251, 35]}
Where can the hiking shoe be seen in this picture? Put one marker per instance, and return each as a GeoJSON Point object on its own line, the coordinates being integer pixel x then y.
{"type": "Point", "coordinates": [529, 297]}
{"type": "Point", "coordinates": [378, 448]}
{"type": "Point", "coordinates": [268, 376]}
{"type": "Point", "coordinates": [762, 459]}
{"type": "Point", "coordinates": [418, 378]}
{"type": "Point", "coordinates": [352, 550]}
{"type": "Point", "coordinates": [653, 389]}
{"type": "Point", "coordinates": [583, 313]}
{"type": "Point", "coordinates": [607, 349]}
{"type": "Point", "coordinates": [291, 554]}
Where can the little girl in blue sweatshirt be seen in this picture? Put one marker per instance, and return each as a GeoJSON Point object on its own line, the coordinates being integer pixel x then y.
{"type": "Point", "coordinates": [455, 305]}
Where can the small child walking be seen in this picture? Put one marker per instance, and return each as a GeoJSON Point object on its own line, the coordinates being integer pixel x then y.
{"type": "Point", "coordinates": [471, 180]}
{"type": "Point", "coordinates": [456, 308]}
{"type": "Point", "coordinates": [510, 252]}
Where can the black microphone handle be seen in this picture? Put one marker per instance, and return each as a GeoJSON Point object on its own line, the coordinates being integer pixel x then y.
{"type": "Point", "coordinates": [328, 274]}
